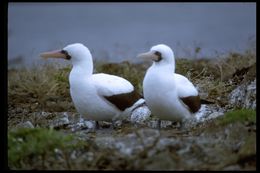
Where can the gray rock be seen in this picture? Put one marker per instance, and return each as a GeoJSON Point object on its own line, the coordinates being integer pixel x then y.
{"type": "Point", "coordinates": [244, 96]}
{"type": "Point", "coordinates": [105, 142]}
{"type": "Point", "coordinates": [148, 136]}
{"type": "Point", "coordinates": [232, 168]}
{"type": "Point", "coordinates": [51, 120]}
{"type": "Point", "coordinates": [83, 124]}
{"type": "Point", "coordinates": [206, 112]}
{"type": "Point", "coordinates": [153, 124]}
{"type": "Point", "coordinates": [250, 100]}
{"type": "Point", "coordinates": [209, 112]}
{"type": "Point", "coordinates": [60, 121]}
{"type": "Point", "coordinates": [165, 124]}
{"type": "Point", "coordinates": [166, 142]}
{"type": "Point", "coordinates": [132, 143]}
{"type": "Point", "coordinates": [26, 124]}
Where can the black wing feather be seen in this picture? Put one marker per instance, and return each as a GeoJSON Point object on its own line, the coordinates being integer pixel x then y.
{"type": "Point", "coordinates": [193, 102]}
{"type": "Point", "coordinates": [123, 101]}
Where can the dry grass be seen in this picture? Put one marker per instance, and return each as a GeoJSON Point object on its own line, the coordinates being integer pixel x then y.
{"type": "Point", "coordinates": [47, 87]}
{"type": "Point", "coordinates": [216, 78]}
{"type": "Point", "coordinates": [37, 86]}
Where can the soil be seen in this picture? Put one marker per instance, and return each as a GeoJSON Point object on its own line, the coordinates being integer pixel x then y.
{"type": "Point", "coordinates": [200, 144]}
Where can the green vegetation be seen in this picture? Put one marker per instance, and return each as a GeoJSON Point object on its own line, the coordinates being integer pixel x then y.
{"type": "Point", "coordinates": [241, 115]}
{"type": "Point", "coordinates": [34, 148]}
{"type": "Point", "coordinates": [46, 89]}
{"type": "Point", "coordinates": [49, 83]}
{"type": "Point", "coordinates": [26, 144]}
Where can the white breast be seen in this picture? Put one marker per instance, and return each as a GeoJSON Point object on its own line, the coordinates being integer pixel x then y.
{"type": "Point", "coordinates": [161, 95]}
{"type": "Point", "coordinates": [88, 101]}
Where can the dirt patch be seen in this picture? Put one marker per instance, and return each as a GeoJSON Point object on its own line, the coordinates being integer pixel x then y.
{"type": "Point", "coordinates": [44, 131]}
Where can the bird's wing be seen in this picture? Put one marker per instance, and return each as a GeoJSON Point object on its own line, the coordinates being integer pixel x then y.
{"type": "Point", "coordinates": [184, 87]}
{"type": "Point", "coordinates": [116, 90]}
{"type": "Point", "coordinates": [108, 85]}
{"type": "Point", "coordinates": [187, 93]}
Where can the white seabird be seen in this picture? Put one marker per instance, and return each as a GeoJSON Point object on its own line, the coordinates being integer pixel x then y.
{"type": "Point", "coordinates": [99, 97]}
{"type": "Point", "coordinates": [169, 96]}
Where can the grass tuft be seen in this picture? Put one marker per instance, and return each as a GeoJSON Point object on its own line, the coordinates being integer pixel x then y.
{"type": "Point", "coordinates": [241, 115]}
{"type": "Point", "coordinates": [25, 145]}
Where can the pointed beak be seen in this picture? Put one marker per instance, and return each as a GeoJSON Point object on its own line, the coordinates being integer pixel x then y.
{"type": "Point", "coordinates": [148, 56]}
{"type": "Point", "coordinates": [53, 54]}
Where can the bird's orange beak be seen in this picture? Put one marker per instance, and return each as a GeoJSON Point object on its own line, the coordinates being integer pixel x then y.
{"type": "Point", "coordinates": [53, 54]}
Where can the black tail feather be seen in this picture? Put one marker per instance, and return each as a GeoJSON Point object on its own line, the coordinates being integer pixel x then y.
{"type": "Point", "coordinates": [203, 101]}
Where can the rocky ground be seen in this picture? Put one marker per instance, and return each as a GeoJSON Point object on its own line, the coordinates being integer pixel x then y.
{"type": "Point", "coordinates": [45, 131]}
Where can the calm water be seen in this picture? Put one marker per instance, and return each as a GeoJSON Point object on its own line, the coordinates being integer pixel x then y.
{"type": "Point", "coordinates": [119, 31]}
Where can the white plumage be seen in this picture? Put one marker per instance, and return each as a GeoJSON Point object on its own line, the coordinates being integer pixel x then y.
{"type": "Point", "coordinates": [184, 87]}
{"type": "Point", "coordinates": [95, 96]}
{"type": "Point", "coordinates": [166, 92]}
{"type": "Point", "coordinates": [108, 85]}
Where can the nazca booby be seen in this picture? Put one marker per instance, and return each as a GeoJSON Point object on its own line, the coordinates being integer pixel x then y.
{"type": "Point", "coordinates": [99, 97]}
{"type": "Point", "coordinates": [169, 96]}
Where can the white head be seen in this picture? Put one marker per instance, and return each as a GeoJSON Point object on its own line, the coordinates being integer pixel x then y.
{"type": "Point", "coordinates": [77, 53]}
{"type": "Point", "coordinates": [161, 54]}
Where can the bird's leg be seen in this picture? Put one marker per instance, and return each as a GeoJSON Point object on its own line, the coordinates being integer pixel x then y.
{"type": "Point", "coordinates": [176, 125]}
{"type": "Point", "coordinates": [97, 125]}
{"type": "Point", "coordinates": [80, 125]}
{"type": "Point", "coordinates": [116, 124]}
{"type": "Point", "coordinates": [182, 127]}
{"type": "Point", "coordinates": [113, 125]}
{"type": "Point", "coordinates": [116, 119]}
{"type": "Point", "coordinates": [158, 125]}
{"type": "Point", "coordinates": [81, 120]}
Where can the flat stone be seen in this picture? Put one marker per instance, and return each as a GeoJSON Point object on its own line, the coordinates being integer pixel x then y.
{"type": "Point", "coordinates": [244, 96]}
{"type": "Point", "coordinates": [26, 124]}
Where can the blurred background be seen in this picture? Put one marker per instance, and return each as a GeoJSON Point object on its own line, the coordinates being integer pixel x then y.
{"type": "Point", "coordinates": [116, 32]}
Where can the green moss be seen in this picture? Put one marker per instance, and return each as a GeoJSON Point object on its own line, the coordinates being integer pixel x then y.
{"type": "Point", "coordinates": [241, 115]}
{"type": "Point", "coordinates": [249, 147]}
{"type": "Point", "coordinates": [25, 144]}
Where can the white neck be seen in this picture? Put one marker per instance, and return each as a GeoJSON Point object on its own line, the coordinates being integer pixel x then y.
{"type": "Point", "coordinates": [165, 66]}
{"type": "Point", "coordinates": [80, 73]}
{"type": "Point", "coordinates": [83, 66]}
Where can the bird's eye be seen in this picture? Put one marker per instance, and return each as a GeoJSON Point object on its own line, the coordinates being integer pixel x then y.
{"type": "Point", "coordinates": [68, 57]}
{"type": "Point", "coordinates": [159, 55]}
